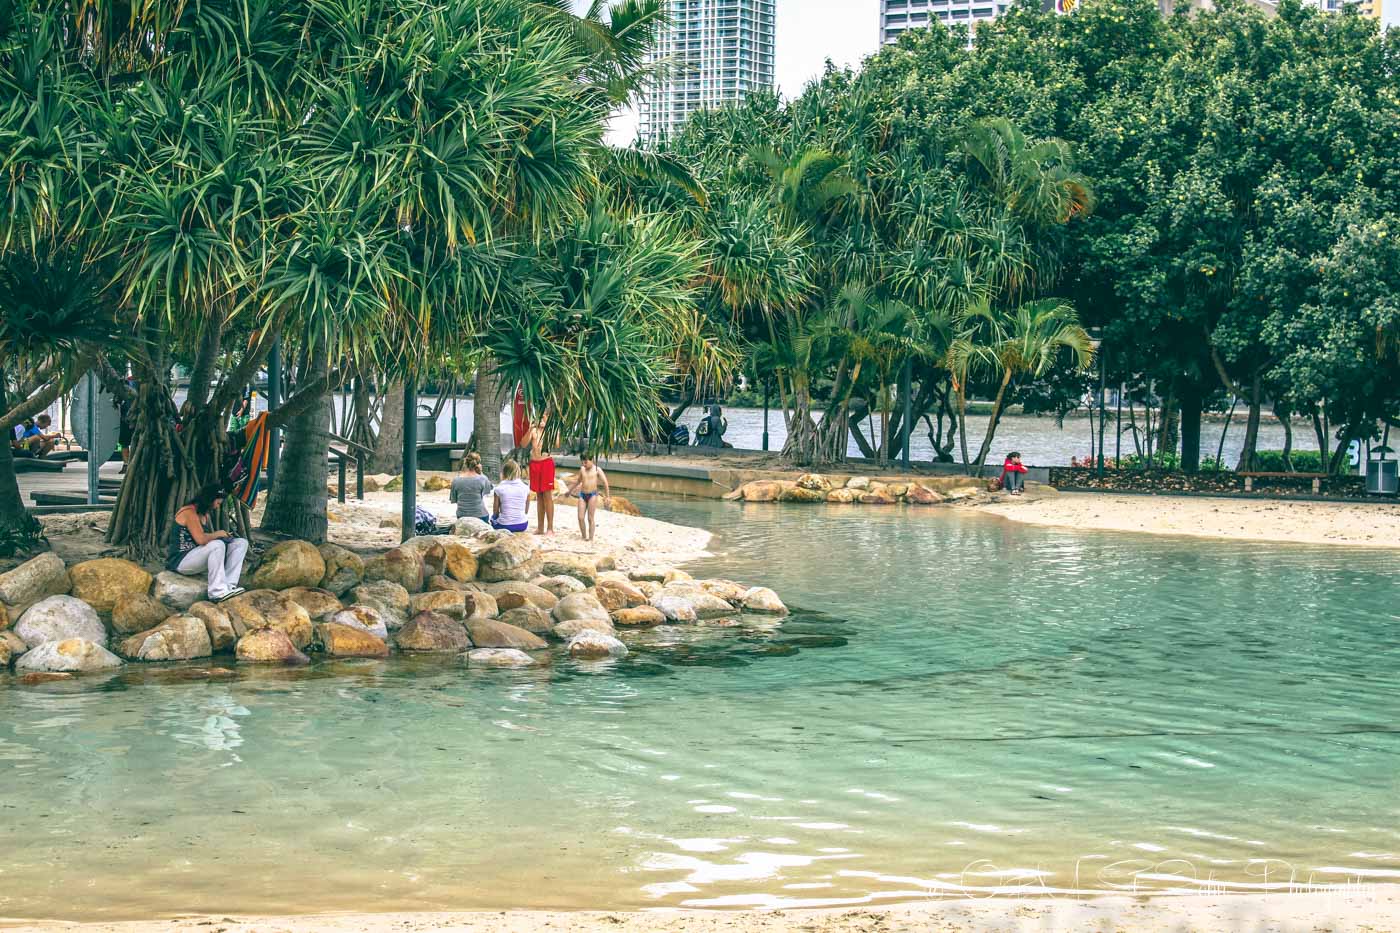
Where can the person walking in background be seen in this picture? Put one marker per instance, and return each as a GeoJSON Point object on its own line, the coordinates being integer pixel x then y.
{"type": "Point", "coordinates": [510, 500]}
{"type": "Point", "coordinates": [470, 489]}
{"type": "Point", "coordinates": [542, 477]}
{"type": "Point", "coordinates": [1013, 477]}
{"type": "Point", "coordinates": [586, 485]}
{"type": "Point", "coordinates": [194, 547]}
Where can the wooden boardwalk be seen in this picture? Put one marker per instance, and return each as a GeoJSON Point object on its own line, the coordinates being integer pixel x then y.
{"type": "Point", "coordinates": [72, 480]}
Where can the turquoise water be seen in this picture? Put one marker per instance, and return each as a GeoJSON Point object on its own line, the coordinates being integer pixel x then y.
{"type": "Point", "coordinates": [962, 703]}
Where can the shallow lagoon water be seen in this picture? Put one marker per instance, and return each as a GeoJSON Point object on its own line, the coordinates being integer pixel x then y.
{"type": "Point", "coordinates": [960, 703]}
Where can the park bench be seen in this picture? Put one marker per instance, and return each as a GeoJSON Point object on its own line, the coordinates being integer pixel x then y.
{"type": "Point", "coordinates": [1316, 478]}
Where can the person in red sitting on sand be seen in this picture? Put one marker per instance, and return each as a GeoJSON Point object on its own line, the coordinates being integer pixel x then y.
{"type": "Point", "coordinates": [1013, 478]}
{"type": "Point", "coordinates": [541, 476]}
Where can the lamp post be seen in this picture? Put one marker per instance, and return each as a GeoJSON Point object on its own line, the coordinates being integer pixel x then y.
{"type": "Point", "coordinates": [1096, 341]}
{"type": "Point", "coordinates": [767, 387]}
{"type": "Point", "coordinates": [907, 390]}
{"type": "Point", "coordinates": [409, 504]}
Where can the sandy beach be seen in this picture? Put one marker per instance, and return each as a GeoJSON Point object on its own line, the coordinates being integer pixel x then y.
{"type": "Point", "coordinates": [1344, 523]}
{"type": "Point", "coordinates": [1362, 909]}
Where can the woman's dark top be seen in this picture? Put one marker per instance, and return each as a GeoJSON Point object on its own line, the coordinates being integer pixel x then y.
{"type": "Point", "coordinates": [181, 543]}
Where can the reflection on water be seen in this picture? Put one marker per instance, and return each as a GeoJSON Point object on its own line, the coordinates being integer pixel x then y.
{"type": "Point", "coordinates": [959, 703]}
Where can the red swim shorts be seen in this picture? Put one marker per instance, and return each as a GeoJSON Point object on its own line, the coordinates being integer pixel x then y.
{"type": "Point", "coordinates": [542, 475]}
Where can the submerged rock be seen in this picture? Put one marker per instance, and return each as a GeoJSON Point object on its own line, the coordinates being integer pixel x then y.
{"type": "Point", "coordinates": [498, 657]}
{"type": "Point", "coordinates": [638, 615]}
{"type": "Point", "coordinates": [269, 646]}
{"type": "Point", "coordinates": [593, 645]}
{"type": "Point", "coordinates": [100, 583]}
{"type": "Point", "coordinates": [55, 618]}
{"type": "Point", "coordinates": [674, 608]}
{"type": "Point", "coordinates": [31, 581]}
{"type": "Point", "coordinates": [433, 631]}
{"type": "Point", "coordinates": [566, 630]}
{"type": "Point", "coordinates": [180, 638]}
{"type": "Point", "coordinates": [288, 564]}
{"type": "Point", "coordinates": [178, 591]}
{"type": "Point", "coordinates": [70, 655]}
{"type": "Point", "coordinates": [344, 569]}
{"type": "Point", "coordinates": [492, 633]}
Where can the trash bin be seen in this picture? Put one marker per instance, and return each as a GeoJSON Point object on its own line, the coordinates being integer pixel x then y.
{"type": "Point", "coordinates": [427, 426]}
{"type": "Point", "coordinates": [1383, 477]}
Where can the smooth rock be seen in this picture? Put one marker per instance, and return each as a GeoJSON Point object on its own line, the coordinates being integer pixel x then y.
{"type": "Point", "coordinates": [877, 495]}
{"type": "Point", "coordinates": [179, 592]}
{"type": "Point", "coordinates": [100, 583]}
{"type": "Point", "coordinates": [449, 602]}
{"type": "Point", "coordinates": [400, 565]}
{"type": "Point", "coordinates": [499, 657]}
{"type": "Point", "coordinates": [375, 482]}
{"type": "Point", "coordinates": [592, 645]}
{"type": "Point", "coordinates": [348, 641]}
{"type": "Point", "coordinates": [513, 593]}
{"type": "Point", "coordinates": [70, 655]}
{"type": "Point", "coordinates": [918, 495]}
{"type": "Point", "coordinates": [623, 506]}
{"type": "Point", "coordinates": [492, 633]}
{"type": "Point", "coordinates": [260, 609]}
{"type": "Point", "coordinates": [814, 481]}
{"type": "Point", "coordinates": [469, 527]}
{"type": "Point", "coordinates": [138, 613]}
{"type": "Point", "coordinates": [436, 484]}
{"type": "Point", "coordinates": [676, 576]}
{"type": "Point", "coordinates": [842, 496]}
{"type": "Point", "coordinates": [579, 606]}
{"type": "Point", "coordinates": [649, 587]}
{"type": "Point", "coordinates": [344, 569]}
{"type": "Point", "coordinates": [674, 608]}
{"type": "Point", "coordinates": [566, 630]}
{"type": "Point", "coordinates": [494, 535]}
{"type": "Point", "coordinates": [515, 558]}
{"type": "Point", "coordinates": [179, 638]}
{"type": "Point", "coordinates": [433, 631]}
{"type": "Point", "coordinates": [269, 646]}
{"type": "Point", "coordinates": [364, 618]}
{"type": "Point", "coordinates": [31, 581]}
{"type": "Point", "coordinates": [561, 585]}
{"type": "Point", "coordinates": [858, 482]}
{"type": "Point", "coordinates": [648, 574]}
{"type": "Point", "coordinates": [709, 606]}
{"type": "Point", "coordinates": [56, 618]}
{"type": "Point", "coordinates": [762, 491]}
{"type": "Point", "coordinates": [898, 490]}
{"type": "Point", "coordinates": [619, 594]}
{"type": "Point", "coordinates": [223, 633]}
{"type": "Point", "coordinates": [564, 563]}
{"type": "Point", "coordinates": [390, 598]}
{"type": "Point", "coordinates": [530, 618]}
{"type": "Point", "coordinates": [638, 615]}
{"type": "Point", "coordinates": [799, 494]}
{"type": "Point", "coordinates": [480, 605]}
{"type": "Point", "coordinates": [440, 582]}
{"type": "Point", "coordinates": [288, 564]}
{"type": "Point", "coordinates": [461, 562]}
{"type": "Point", "coordinates": [762, 599]}
{"type": "Point", "coordinates": [319, 604]}
{"type": "Point", "coordinates": [727, 590]}
{"type": "Point", "coordinates": [431, 552]}
{"type": "Point", "coordinates": [14, 643]}
{"type": "Point", "coordinates": [962, 493]}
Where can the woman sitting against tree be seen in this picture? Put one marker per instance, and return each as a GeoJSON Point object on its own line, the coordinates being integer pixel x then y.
{"type": "Point", "coordinates": [194, 547]}
{"type": "Point", "coordinates": [510, 499]}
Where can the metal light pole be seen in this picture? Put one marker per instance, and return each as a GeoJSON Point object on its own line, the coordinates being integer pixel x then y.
{"type": "Point", "coordinates": [907, 380]}
{"type": "Point", "coordinates": [274, 399]}
{"type": "Point", "coordinates": [767, 387]}
{"type": "Point", "coordinates": [1103, 376]}
{"type": "Point", "coordinates": [410, 458]}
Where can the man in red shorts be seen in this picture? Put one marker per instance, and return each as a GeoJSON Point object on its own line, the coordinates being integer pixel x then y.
{"type": "Point", "coordinates": [542, 477]}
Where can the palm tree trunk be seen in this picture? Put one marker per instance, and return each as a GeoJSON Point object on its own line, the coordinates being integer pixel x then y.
{"type": "Point", "coordinates": [486, 418]}
{"type": "Point", "coordinates": [996, 417]}
{"type": "Point", "coordinates": [388, 446]}
{"type": "Point", "coordinates": [296, 507]}
{"type": "Point", "coordinates": [962, 422]}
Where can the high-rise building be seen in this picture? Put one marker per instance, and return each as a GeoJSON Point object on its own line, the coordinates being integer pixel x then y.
{"type": "Point", "coordinates": [898, 15]}
{"type": "Point", "coordinates": [714, 52]}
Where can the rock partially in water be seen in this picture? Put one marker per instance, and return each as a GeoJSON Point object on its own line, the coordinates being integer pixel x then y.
{"type": "Point", "coordinates": [799, 494]}
{"type": "Point", "coordinates": [918, 495]}
{"type": "Point", "coordinates": [580, 606]}
{"type": "Point", "coordinates": [138, 613]}
{"type": "Point", "coordinates": [619, 594]}
{"type": "Point", "coordinates": [365, 618]}
{"type": "Point", "coordinates": [492, 633]}
{"type": "Point", "coordinates": [319, 604]}
{"type": "Point", "coordinates": [451, 603]}
{"type": "Point", "coordinates": [347, 641]}
{"type": "Point", "coordinates": [31, 581]}
{"type": "Point", "coordinates": [762, 599]}
{"type": "Point", "coordinates": [179, 592]}
{"type": "Point", "coordinates": [69, 655]}
{"type": "Point", "coordinates": [727, 590]}
{"type": "Point", "coordinates": [532, 619]}
{"type": "Point", "coordinates": [638, 616]}
{"type": "Point", "coordinates": [14, 644]}
{"type": "Point", "coordinates": [223, 633]}
{"type": "Point", "coordinates": [288, 564]}
{"type": "Point", "coordinates": [344, 569]}
{"type": "Point", "coordinates": [264, 609]}
{"type": "Point", "coordinates": [845, 496]}
{"type": "Point", "coordinates": [566, 630]}
{"type": "Point", "coordinates": [269, 646]}
{"type": "Point", "coordinates": [498, 657]}
{"type": "Point", "coordinates": [179, 638]}
{"type": "Point", "coordinates": [56, 618]}
{"type": "Point", "coordinates": [433, 631]}
{"type": "Point", "coordinates": [593, 645]}
{"type": "Point", "coordinates": [761, 491]}
{"type": "Point", "coordinates": [674, 608]}
{"type": "Point", "coordinates": [100, 583]}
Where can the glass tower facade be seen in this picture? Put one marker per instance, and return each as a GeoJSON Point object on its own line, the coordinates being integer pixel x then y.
{"type": "Point", "coordinates": [714, 52]}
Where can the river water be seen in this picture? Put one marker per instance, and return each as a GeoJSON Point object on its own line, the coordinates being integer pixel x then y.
{"type": "Point", "coordinates": [959, 705]}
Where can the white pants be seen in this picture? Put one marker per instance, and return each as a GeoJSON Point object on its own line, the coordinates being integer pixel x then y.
{"type": "Point", "coordinates": [224, 560]}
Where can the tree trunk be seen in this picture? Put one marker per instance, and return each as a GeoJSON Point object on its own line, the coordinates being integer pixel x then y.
{"type": "Point", "coordinates": [388, 446]}
{"type": "Point", "coordinates": [20, 532]}
{"type": "Point", "coordinates": [1320, 431]}
{"type": "Point", "coordinates": [994, 420]}
{"type": "Point", "coordinates": [1190, 429]}
{"type": "Point", "coordinates": [1286, 419]}
{"type": "Point", "coordinates": [1251, 430]}
{"type": "Point", "coordinates": [961, 389]}
{"type": "Point", "coordinates": [1224, 432]}
{"type": "Point", "coordinates": [296, 506]}
{"type": "Point", "coordinates": [1171, 423]}
{"type": "Point", "coordinates": [486, 418]}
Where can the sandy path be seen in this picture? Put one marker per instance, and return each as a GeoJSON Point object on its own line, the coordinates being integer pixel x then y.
{"type": "Point", "coordinates": [1346, 523]}
{"type": "Point", "coordinates": [1349, 909]}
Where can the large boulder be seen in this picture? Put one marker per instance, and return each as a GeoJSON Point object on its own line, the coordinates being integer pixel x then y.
{"type": "Point", "coordinates": [262, 609]}
{"type": "Point", "coordinates": [364, 618]}
{"type": "Point", "coordinates": [436, 483]}
{"type": "Point", "coordinates": [269, 646]}
{"type": "Point", "coordinates": [677, 576]}
{"type": "Point", "coordinates": [796, 493]}
{"type": "Point", "coordinates": [674, 608]}
{"type": "Point", "coordinates": [69, 655]}
{"type": "Point", "coordinates": [727, 590]}
{"type": "Point", "coordinates": [514, 593]}
{"type": "Point", "coordinates": [319, 604]}
{"type": "Point", "coordinates": [579, 606]}
{"type": "Point", "coordinates": [566, 630]}
{"type": "Point", "coordinates": [564, 563]}
{"type": "Point", "coordinates": [13, 644]}
{"type": "Point", "coordinates": [179, 592]}
{"type": "Point", "coordinates": [400, 565]}
{"type": "Point", "coordinates": [469, 527]}
{"type": "Point", "coordinates": [223, 633]}
{"type": "Point", "coordinates": [919, 495]}
{"type": "Point", "coordinates": [623, 506]}
{"type": "Point", "coordinates": [499, 657]}
{"type": "Point", "coordinates": [138, 613]}
{"type": "Point", "coordinates": [530, 618]}
{"type": "Point", "coordinates": [638, 616]}
{"type": "Point", "coordinates": [441, 581]}
{"type": "Point", "coordinates": [179, 638]}
{"type": "Point", "coordinates": [449, 602]}
{"type": "Point", "coordinates": [433, 631]}
{"type": "Point", "coordinates": [815, 482]}
{"type": "Point", "coordinates": [388, 597]}
{"type": "Point", "coordinates": [858, 483]}
{"type": "Point", "coordinates": [56, 618]}
{"type": "Point", "coordinates": [460, 562]}
{"type": "Point", "coordinates": [348, 641]}
{"type": "Point", "coordinates": [480, 605]}
{"type": "Point", "coordinates": [32, 580]}
{"type": "Point", "coordinates": [430, 550]}
{"type": "Point", "coordinates": [344, 569]}
{"type": "Point", "coordinates": [514, 558]}
{"type": "Point", "coordinates": [619, 594]}
{"type": "Point", "coordinates": [762, 599]}
{"type": "Point", "coordinates": [100, 583]}
{"type": "Point", "coordinates": [595, 646]}
{"type": "Point", "coordinates": [491, 633]}
{"type": "Point", "coordinates": [288, 564]}
{"type": "Point", "coordinates": [761, 491]}
{"type": "Point", "coordinates": [706, 605]}
{"type": "Point", "coordinates": [877, 494]}
{"type": "Point", "coordinates": [846, 496]}
{"type": "Point", "coordinates": [560, 585]}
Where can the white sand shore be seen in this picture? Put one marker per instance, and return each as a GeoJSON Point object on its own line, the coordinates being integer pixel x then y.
{"type": "Point", "coordinates": [1345, 523]}
{"type": "Point", "coordinates": [1362, 908]}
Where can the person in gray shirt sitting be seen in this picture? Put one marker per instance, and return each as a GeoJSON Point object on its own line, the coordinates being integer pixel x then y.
{"type": "Point", "coordinates": [470, 489]}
